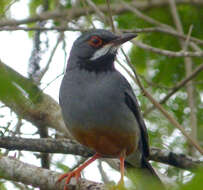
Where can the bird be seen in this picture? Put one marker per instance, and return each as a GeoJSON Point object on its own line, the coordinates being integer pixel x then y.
{"type": "Point", "coordinates": [99, 106]}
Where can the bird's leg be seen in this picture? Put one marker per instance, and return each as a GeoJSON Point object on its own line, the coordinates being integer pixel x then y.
{"type": "Point", "coordinates": [76, 173]}
{"type": "Point", "coordinates": [120, 185]}
{"type": "Point", "coordinates": [122, 168]}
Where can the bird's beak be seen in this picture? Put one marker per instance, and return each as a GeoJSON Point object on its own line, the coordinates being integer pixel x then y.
{"type": "Point", "coordinates": [123, 38]}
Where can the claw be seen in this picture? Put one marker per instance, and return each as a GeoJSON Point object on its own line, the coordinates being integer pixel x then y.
{"type": "Point", "coordinates": [76, 173]}
{"type": "Point", "coordinates": [68, 177]}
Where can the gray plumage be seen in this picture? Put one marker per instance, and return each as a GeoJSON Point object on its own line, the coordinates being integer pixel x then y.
{"type": "Point", "coordinates": [95, 96]}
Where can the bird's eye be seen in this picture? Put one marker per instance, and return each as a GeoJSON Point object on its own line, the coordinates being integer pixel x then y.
{"type": "Point", "coordinates": [95, 41]}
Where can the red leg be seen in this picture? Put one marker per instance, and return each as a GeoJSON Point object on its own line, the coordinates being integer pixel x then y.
{"type": "Point", "coordinates": [120, 185]}
{"type": "Point", "coordinates": [76, 173]}
{"type": "Point", "coordinates": [122, 168]}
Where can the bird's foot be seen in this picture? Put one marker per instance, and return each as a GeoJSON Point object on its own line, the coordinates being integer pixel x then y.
{"type": "Point", "coordinates": [68, 176]}
{"type": "Point", "coordinates": [76, 173]}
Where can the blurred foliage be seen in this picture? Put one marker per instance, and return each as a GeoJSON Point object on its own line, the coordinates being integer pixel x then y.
{"type": "Point", "coordinates": [196, 182]}
{"type": "Point", "coordinates": [4, 5]}
{"type": "Point", "coordinates": [138, 179]}
{"type": "Point", "coordinates": [15, 88]}
{"type": "Point", "coordinates": [63, 167]}
{"type": "Point", "coordinates": [165, 71]}
{"type": "Point", "coordinates": [158, 74]}
{"type": "Point", "coordinates": [2, 186]}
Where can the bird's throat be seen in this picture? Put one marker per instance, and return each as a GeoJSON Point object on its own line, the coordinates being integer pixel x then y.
{"type": "Point", "coordinates": [92, 66]}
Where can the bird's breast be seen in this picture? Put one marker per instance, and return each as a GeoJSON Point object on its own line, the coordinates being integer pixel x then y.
{"type": "Point", "coordinates": [97, 116]}
{"type": "Point", "coordinates": [109, 143]}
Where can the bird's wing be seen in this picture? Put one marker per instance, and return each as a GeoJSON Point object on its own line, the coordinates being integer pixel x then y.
{"type": "Point", "coordinates": [146, 169]}
{"type": "Point", "coordinates": [137, 160]}
{"type": "Point", "coordinates": [132, 103]}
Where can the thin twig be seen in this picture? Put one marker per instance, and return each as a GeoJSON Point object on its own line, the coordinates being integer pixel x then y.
{"type": "Point", "coordinates": [110, 16]}
{"type": "Point", "coordinates": [188, 68]}
{"type": "Point", "coordinates": [15, 132]}
{"type": "Point", "coordinates": [75, 12]}
{"type": "Point", "coordinates": [98, 12]}
{"type": "Point", "coordinates": [42, 73]}
{"type": "Point", "coordinates": [166, 31]}
{"type": "Point", "coordinates": [137, 30]}
{"type": "Point", "coordinates": [145, 17]}
{"type": "Point", "coordinates": [88, 17]}
{"type": "Point", "coordinates": [155, 22]}
{"type": "Point", "coordinates": [38, 28]}
{"type": "Point", "coordinates": [185, 47]}
{"type": "Point", "coordinates": [177, 87]}
{"type": "Point", "coordinates": [8, 7]}
{"type": "Point", "coordinates": [150, 83]}
{"type": "Point", "coordinates": [167, 52]}
{"type": "Point", "coordinates": [52, 81]}
{"type": "Point", "coordinates": [103, 174]}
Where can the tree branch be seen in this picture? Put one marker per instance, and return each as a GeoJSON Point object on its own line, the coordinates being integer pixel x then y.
{"type": "Point", "coordinates": [75, 13]}
{"type": "Point", "coordinates": [163, 30]}
{"type": "Point", "coordinates": [188, 69]}
{"type": "Point", "coordinates": [157, 23]}
{"type": "Point", "coordinates": [137, 30]}
{"type": "Point", "coordinates": [116, 9]}
{"type": "Point", "coordinates": [167, 52]}
{"type": "Point", "coordinates": [28, 101]}
{"type": "Point", "coordinates": [67, 146]}
{"type": "Point", "coordinates": [178, 160]}
{"type": "Point", "coordinates": [44, 70]}
{"type": "Point", "coordinates": [57, 28]}
{"type": "Point", "coordinates": [15, 170]}
{"type": "Point", "coordinates": [45, 145]}
{"type": "Point", "coordinates": [145, 17]}
{"type": "Point", "coordinates": [97, 10]}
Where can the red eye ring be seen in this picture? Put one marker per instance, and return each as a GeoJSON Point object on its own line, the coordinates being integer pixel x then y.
{"type": "Point", "coordinates": [95, 41]}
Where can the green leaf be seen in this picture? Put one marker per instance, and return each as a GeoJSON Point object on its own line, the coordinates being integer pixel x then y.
{"type": "Point", "coordinates": [62, 167]}
{"type": "Point", "coordinates": [3, 5]}
{"type": "Point", "coordinates": [2, 186]}
{"type": "Point", "coordinates": [196, 183]}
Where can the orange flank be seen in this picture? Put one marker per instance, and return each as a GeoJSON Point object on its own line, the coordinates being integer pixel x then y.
{"type": "Point", "coordinates": [107, 143]}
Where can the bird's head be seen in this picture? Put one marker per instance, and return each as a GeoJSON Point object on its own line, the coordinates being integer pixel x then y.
{"type": "Point", "coordinates": [97, 49]}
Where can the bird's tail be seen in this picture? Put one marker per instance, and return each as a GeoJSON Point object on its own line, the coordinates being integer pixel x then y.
{"type": "Point", "coordinates": [145, 177]}
{"type": "Point", "coordinates": [149, 170]}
